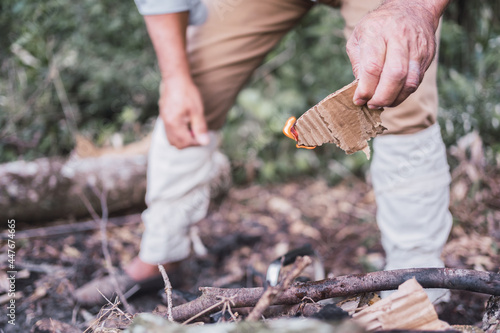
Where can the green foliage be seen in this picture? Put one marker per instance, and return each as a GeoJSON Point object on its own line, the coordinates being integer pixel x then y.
{"type": "Point", "coordinates": [88, 66]}
{"type": "Point", "coordinates": [101, 54]}
{"type": "Point", "coordinates": [469, 73]}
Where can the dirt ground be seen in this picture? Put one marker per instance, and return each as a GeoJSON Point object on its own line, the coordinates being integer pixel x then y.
{"type": "Point", "coordinates": [244, 232]}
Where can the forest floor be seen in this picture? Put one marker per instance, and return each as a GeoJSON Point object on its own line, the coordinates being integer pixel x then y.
{"type": "Point", "coordinates": [248, 229]}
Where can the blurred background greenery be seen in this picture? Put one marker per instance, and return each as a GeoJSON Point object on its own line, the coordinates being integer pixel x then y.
{"type": "Point", "coordinates": [88, 67]}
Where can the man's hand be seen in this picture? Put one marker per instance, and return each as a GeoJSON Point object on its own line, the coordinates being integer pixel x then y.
{"type": "Point", "coordinates": [181, 109]}
{"type": "Point", "coordinates": [391, 48]}
{"type": "Point", "coordinates": [181, 106]}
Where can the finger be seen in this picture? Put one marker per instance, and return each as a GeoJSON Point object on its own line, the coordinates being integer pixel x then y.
{"type": "Point", "coordinates": [178, 133]}
{"type": "Point", "coordinates": [180, 137]}
{"type": "Point", "coordinates": [421, 54]}
{"type": "Point", "coordinates": [199, 126]}
{"type": "Point", "coordinates": [372, 57]}
{"type": "Point", "coordinates": [393, 77]}
{"type": "Point", "coordinates": [352, 48]}
{"type": "Point", "coordinates": [413, 80]}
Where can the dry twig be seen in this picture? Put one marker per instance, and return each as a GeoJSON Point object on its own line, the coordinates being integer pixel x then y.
{"type": "Point", "coordinates": [117, 309]}
{"type": "Point", "coordinates": [104, 241]}
{"type": "Point", "coordinates": [168, 291]}
{"type": "Point", "coordinates": [227, 307]}
{"type": "Point", "coordinates": [271, 293]}
{"type": "Point", "coordinates": [108, 312]}
{"type": "Point", "coordinates": [67, 107]}
{"type": "Point", "coordinates": [103, 315]}
{"type": "Point", "coordinates": [222, 301]}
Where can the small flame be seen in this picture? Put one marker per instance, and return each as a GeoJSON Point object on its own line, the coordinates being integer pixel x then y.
{"type": "Point", "coordinates": [290, 131]}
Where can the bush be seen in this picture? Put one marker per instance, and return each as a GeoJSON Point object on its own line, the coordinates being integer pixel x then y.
{"type": "Point", "coordinates": [469, 74]}
{"type": "Point", "coordinates": [85, 66]}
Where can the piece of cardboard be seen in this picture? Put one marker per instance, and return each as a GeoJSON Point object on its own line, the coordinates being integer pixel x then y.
{"type": "Point", "coordinates": [336, 119]}
{"type": "Point", "coordinates": [408, 308]}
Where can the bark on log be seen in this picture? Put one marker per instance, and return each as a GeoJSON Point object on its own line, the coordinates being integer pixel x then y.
{"type": "Point", "coordinates": [51, 188]}
{"type": "Point", "coordinates": [491, 318]}
{"type": "Point", "coordinates": [449, 278]}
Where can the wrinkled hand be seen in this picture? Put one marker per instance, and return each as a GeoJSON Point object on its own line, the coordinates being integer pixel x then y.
{"type": "Point", "coordinates": [181, 109]}
{"type": "Point", "coordinates": [390, 50]}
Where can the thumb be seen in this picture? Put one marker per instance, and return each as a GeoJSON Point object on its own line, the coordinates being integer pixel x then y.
{"type": "Point", "coordinates": [199, 128]}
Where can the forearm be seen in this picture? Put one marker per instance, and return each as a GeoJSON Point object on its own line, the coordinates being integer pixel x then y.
{"type": "Point", "coordinates": [180, 104]}
{"type": "Point", "coordinates": [434, 7]}
{"type": "Point", "coordinates": [168, 35]}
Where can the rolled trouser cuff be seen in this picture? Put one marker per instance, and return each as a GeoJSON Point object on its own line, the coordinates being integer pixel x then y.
{"type": "Point", "coordinates": [166, 237]}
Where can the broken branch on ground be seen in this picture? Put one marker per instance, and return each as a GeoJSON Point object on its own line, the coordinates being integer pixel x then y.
{"type": "Point", "coordinates": [448, 278]}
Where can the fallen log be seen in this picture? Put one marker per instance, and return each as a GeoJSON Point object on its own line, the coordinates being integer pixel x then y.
{"type": "Point", "coordinates": [51, 188]}
{"type": "Point", "coordinates": [449, 278]}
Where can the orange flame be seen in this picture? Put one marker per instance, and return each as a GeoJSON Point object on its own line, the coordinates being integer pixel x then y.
{"type": "Point", "coordinates": [289, 131]}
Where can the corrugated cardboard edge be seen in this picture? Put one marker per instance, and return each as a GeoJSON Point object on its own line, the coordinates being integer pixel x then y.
{"type": "Point", "coordinates": [407, 308]}
{"type": "Point", "coordinates": [336, 119]}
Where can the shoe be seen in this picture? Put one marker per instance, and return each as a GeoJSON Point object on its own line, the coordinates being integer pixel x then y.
{"type": "Point", "coordinates": [90, 293]}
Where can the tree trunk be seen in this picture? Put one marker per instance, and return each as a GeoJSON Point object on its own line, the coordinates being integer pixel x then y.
{"type": "Point", "coordinates": [53, 188]}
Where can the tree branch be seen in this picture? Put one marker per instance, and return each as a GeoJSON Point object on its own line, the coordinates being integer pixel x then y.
{"type": "Point", "coordinates": [271, 293]}
{"type": "Point", "coordinates": [449, 278]}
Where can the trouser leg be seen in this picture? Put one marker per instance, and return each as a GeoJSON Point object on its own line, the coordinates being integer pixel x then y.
{"type": "Point", "coordinates": [410, 173]}
{"type": "Point", "coordinates": [178, 194]}
{"type": "Point", "coordinates": [411, 180]}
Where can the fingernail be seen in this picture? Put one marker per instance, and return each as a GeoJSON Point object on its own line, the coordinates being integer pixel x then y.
{"type": "Point", "coordinates": [203, 139]}
{"type": "Point", "coordinates": [359, 102]}
{"type": "Point", "coordinates": [374, 107]}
